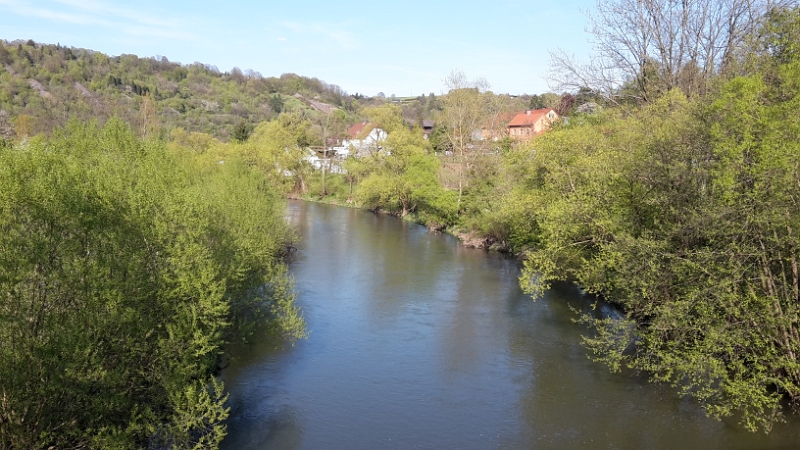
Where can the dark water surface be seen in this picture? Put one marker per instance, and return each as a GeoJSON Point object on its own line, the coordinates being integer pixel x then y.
{"type": "Point", "coordinates": [419, 343]}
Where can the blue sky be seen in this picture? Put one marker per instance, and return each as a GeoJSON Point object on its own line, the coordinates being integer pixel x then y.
{"type": "Point", "coordinates": [402, 48]}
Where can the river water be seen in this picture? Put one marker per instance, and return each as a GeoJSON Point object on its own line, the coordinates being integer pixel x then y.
{"type": "Point", "coordinates": [418, 343]}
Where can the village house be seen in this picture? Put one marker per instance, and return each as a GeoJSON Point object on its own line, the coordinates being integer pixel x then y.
{"type": "Point", "coordinates": [362, 139]}
{"type": "Point", "coordinates": [528, 124]}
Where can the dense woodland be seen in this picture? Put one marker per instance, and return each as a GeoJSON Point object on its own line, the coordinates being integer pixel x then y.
{"type": "Point", "coordinates": [133, 247]}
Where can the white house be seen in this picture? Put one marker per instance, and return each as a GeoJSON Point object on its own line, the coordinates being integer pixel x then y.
{"type": "Point", "coordinates": [363, 139]}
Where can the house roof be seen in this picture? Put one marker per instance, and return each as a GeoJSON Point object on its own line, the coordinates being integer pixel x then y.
{"type": "Point", "coordinates": [528, 118]}
{"type": "Point", "coordinates": [427, 123]}
{"type": "Point", "coordinates": [355, 129]}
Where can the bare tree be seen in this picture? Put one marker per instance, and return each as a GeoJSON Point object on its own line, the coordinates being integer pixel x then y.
{"type": "Point", "coordinates": [463, 116]}
{"type": "Point", "coordinates": [148, 116]}
{"type": "Point", "coordinates": [643, 48]}
{"type": "Point", "coordinates": [497, 109]}
{"type": "Point", "coordinates": [6, 127]}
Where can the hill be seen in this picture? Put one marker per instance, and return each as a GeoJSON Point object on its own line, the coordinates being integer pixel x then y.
{"type": "Point", "coordinates": [42, 86]}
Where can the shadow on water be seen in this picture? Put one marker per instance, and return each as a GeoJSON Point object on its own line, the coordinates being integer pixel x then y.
{"type": "Point", "coordinates": [419, 343]}
{"type": "Point", "coordinates": [256, 378]}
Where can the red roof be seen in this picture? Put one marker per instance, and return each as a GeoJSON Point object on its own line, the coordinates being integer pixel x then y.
{"type": "Point", "coordinates": [355, 129]}
{"type": "Point", "coordinates": [528, 118]}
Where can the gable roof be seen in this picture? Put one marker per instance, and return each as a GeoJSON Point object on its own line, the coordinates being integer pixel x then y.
{"type": "Point", "coordinates": [355, 129]}
{"type": "Point", "coordinates": [528, 118]}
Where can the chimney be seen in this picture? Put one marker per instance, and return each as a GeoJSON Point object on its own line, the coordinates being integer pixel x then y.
{"type": "Point", "coordinates": [528, 113]}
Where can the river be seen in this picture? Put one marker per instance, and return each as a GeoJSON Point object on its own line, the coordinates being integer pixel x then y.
{"type": "Point", "coordinates": [418, 343]}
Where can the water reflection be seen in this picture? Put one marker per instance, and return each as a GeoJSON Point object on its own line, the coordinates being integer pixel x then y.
{"type": "Point", "coordinates": [418, 343]}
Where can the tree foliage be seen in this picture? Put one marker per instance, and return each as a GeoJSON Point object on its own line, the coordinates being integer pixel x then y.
{"type": "Point", "coordinates": [53, 84]}
{"type": "Point", "coordinates": [280, 149]}
{"type": "Point", "coordinates": [685, 216]}
{"type": "Point", "coordinates": [403, 179]}
{"type": "Point", "coordinates": [124, 267]}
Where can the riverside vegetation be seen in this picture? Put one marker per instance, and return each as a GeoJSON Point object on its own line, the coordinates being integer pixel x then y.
{"type": "Point", "coordinates": [125, 266]}
{"type": "Point", "coordinates": [681, 210]}
{"type": "Point", "coordinates": [128, 260]}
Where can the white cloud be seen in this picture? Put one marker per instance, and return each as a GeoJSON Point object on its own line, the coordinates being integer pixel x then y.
{"type": "Point", "coordinates": [101, 14]}
{"type": "Point", "coordinates": [282, 39]}
{"type": "Point", "coordinates": [108, 9]}
{"type": "Point", "coordinates": [24, 9]}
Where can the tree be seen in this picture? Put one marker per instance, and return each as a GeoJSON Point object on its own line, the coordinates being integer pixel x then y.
{"type": "Point", "coordinates": [333, 124]}
{"type": "Point", "coordinates": [462, 117]}
{"type": "Point", "coordinates": [237, 76]}
{"type": "Point", "coordinates": [387, 117]}
{"type": "Point", "coordinates": [23, 126]}
{"type": "Point", "coordinates": [564, 104]}
{"type": "Point", "coordinates": [242, 131]}
{"type": "Point", "coordinates": [281, 147]}
{"type": "Point", "coordinates": [682, 213]}
{"type": "Point", "coordinates": [653, 46]}
{"type": "Point", "coordinates": [6, 57]}
{"type": "Point", "coordinates": [125, 268]}
{"type": "Point", "coordinates": [536, 102]}
{"type": "Point", "coordinates": [355, 169]}
{"type": "Point", "coordinates": [148, 117]}
{"type": "Point", "coordinates": [404, 179]}
{"type": "Point", "coordinates": [496, 109]}
{"type": "Point", "coordinates": [6, 127]}
{"type": "Point", "coordinates": [775, 42]}
{"type": "Point", "coordinates": [276, 103]}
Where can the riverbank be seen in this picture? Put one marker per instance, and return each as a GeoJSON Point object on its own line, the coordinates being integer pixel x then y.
{"type": "Point", "coordinates": [468, 238]}
{"type": "Point", "coordinates": [418, 342]}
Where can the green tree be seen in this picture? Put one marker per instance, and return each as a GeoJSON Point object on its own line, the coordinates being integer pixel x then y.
{"type": "Point", "coordinates": [6, 57]}
{"type": "Point", "coordinates": [682, 215]}
{"type": "Point", "coordinates": [276, 103]}
{"type": "Point", "coordinates": [128, 266]}
{"type": "Point", "coordinates": [404, 179]}
{"type": "Point", "coordinates": [654, 46]}
{"type": "Point", "coordinates": [281, 149]}
{"type": "Point", "coordinates": [242, 131]}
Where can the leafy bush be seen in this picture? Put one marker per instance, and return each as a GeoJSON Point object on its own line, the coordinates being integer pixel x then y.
{"type": "Point", "coordinates": [124, 267]}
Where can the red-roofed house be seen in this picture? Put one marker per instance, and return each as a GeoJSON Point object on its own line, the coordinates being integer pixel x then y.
{"type": "Point", "coordinates": [528, 124]}
{"type": "Point", "coordinates": [355, 129]}
{"type": "Point", "coordinates": [363, 139]}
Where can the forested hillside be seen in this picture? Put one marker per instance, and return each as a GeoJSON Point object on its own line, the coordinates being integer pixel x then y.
{"type": "Point", "coordinates": [48, 84]}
